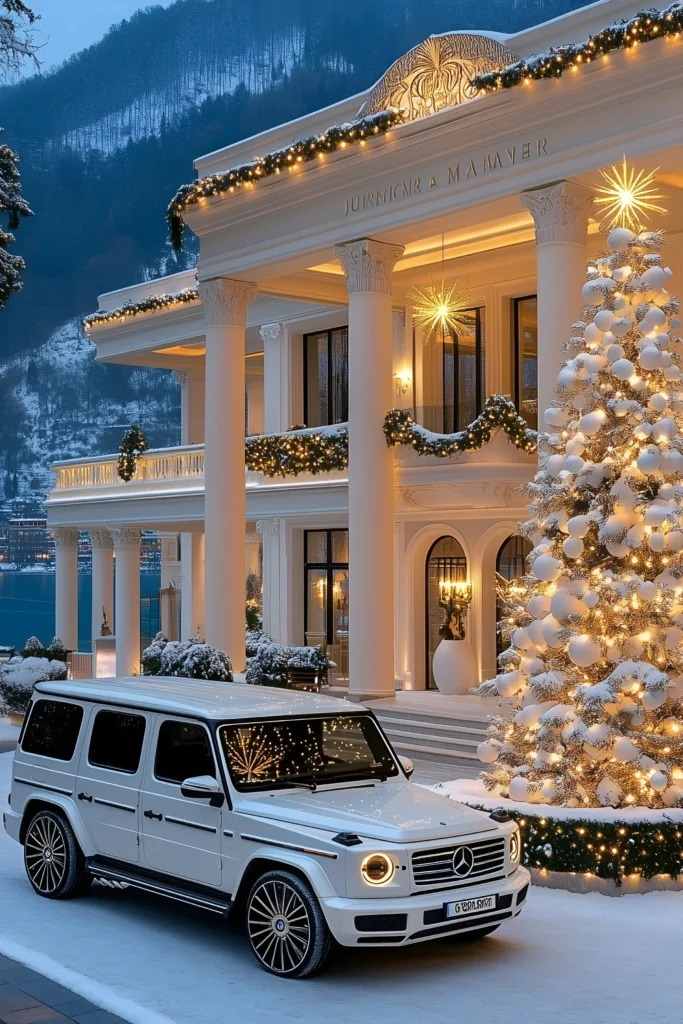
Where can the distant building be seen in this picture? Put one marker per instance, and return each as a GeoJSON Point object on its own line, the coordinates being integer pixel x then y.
{"type": "Point", "coordinates": [28, 542]}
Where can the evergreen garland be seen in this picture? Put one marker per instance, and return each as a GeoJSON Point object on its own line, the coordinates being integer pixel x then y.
{"type": "Point", "coordinates": [298, 452]}
{"type": "Point", "coordinates": [498, 414]}
{"type": "Point", "coordinates": [608, 849]}
{"type": "Point", "coordinates": [133, 444]}
{"type": "Point", "coordinates": [152, 304]}
{"type": "Point", "coordinates": [303, 151]}
{"type": "Point", "coordinates": [620, 35]}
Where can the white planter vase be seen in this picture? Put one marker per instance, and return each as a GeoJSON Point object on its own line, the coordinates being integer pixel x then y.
{"type": "Point", "coordinates": [454, 666]}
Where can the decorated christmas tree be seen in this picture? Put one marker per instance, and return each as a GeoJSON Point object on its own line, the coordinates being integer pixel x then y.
{"type": "Point", "coordinates": [594, 671]}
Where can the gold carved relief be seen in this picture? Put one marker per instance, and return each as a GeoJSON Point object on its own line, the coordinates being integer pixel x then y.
{"type": "Point", "coordinates": [436, 74]}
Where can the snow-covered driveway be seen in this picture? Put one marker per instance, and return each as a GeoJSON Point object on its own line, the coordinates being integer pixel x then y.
{"type": "Point", "coordinates": [567, 959]}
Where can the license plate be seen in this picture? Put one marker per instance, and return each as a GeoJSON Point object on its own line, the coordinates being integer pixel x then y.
{"type": "Point", "coordinates": [472, 906]}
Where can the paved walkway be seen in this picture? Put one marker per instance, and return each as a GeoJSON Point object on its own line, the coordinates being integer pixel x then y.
{"type": "Point", "coordinates": [29, 998]}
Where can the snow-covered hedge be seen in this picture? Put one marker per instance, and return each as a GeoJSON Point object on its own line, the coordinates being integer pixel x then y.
{"type": "Point", "coordinates": [34, 648]}
{"type": "Point", "coordinates": [256, 637]}
{"type": "Point", "coordinates": [191, 659]}
{"type": "Point", "coordinates": [271, 664]}
{"type": "Point", "coordinates": [19, 675]}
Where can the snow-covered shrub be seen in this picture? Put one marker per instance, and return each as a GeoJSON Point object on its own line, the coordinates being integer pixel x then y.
{"type": "Point", "coordinates": [202, 661]}
{"type": "Point", "coordinates": [256, 637]}
{"type": "Point", "coordinates": [33, 648]}
{"type": "Point", "coordinates": [310, 657]}
{"type": "Point", "coordinates": [19, 675]}
{"type": "Point", "coordinates": [57, 650]}
{"type": "Point", "coordinates": [173, 658]}
{"type": "Point", "coordinates": [269, 666]}
{"type": "Point", "coordinates": [150, 658]}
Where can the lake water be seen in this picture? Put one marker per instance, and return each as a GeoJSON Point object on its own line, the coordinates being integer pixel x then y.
{"type": "Point", "coordinates": [27, 607]}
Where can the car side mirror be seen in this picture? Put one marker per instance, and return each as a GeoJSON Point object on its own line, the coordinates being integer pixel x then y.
{"type": "Point", "coordinates": [203, 786]}
{"type": "Point", "coordinates": [407, 765]}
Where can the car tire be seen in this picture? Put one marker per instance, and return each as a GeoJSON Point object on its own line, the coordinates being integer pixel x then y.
{"type": "Point", "coordinates": [53, 859]}
{"type": "Point", "coordinates": [474, 936]}
{"type": "Point", "coordinates": [286, 927]}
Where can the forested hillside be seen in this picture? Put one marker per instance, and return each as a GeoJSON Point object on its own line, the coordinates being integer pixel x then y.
{"type": "Point", "coordinates": [107, 138]}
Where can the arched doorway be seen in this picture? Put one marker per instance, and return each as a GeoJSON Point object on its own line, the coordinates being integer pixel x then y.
{"type": "Point", "coordinates": [446, 563]}
{"type": "Point", "coordinates": [511, 565]}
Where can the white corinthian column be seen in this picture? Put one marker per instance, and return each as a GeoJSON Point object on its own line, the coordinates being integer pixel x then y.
{"type": "Point", "coordinates": [225, 515]}
{"type": "Point", "coordinates": [66, 586]}
{"type": "Point", "coordinates": [561, 218]}
{"type": "Point", "coordinates": [368, 267]}
{"type": "Point", "coordinates": [102, 547]}
{"type": "Point", "coordinates": [127, 631]}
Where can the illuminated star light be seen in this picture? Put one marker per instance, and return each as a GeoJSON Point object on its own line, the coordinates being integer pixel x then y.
{"type": "Point", "coordinates": [627, 198]}
{"type": "Point", "coordinates": [442, 306]}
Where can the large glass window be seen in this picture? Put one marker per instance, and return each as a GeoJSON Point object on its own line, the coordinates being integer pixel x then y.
{"type": "Point", "coordinates": [183, 751]}
{"type": "Point", "coordinates": [52, 729]}
{"type": "Point", "coordinates": [271, 753]}
{"type": "Point", "coordinates": [525, 315]}
{"type": "Point", "coordinates": [116, 741]}
{"type": "Point", "coordinates": [446, 565]}
{"type": "Point", "coordinates": [464, 378]}
{"type": "Point", "coordinates": [510, 565]}
{"type": "Point", "coordinates": [326, 377]}
{"type": "Point", "coordinates": [326, 609]}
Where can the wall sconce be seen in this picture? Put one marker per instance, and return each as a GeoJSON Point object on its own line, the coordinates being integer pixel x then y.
{"type": "Point", "coordinates": [402, 382]}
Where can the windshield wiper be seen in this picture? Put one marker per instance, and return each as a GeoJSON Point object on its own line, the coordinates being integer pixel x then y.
{"type": "Point", "coordinates": [299, 783]}
{"type": "Point", "coordinates": [358, 773]}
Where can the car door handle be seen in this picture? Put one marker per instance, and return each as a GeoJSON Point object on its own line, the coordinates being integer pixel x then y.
{"type": "Point", "coordinates": [151, 814]}
{"type": "Point", "coordinates": [85, 796]}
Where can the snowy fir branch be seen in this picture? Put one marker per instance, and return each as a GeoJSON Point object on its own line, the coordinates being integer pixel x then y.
{"type": "Point", "coordinates": [315, 147]}
{"type": "Point", "coordinates": [498, 414]}
{"type": "Point", "coordinates": [13, 206]}
{"type": "Point", "coordinates": [152, 304]}
{"type": "Point", "coordinates": [643, 27]}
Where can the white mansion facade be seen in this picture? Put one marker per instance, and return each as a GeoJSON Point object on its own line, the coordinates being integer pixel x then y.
{"type": "Point", "coordinates": [306, 284]}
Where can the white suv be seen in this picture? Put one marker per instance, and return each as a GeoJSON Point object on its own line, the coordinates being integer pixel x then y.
{"type": "Point", "coordinates": [289, 809]}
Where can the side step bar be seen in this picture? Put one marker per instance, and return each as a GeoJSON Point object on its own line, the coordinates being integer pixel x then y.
{"type": "Point", "coordinates": [115, 878]}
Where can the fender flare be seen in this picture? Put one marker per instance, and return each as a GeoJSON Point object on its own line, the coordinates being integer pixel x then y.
{"type": "Point", "coordinates": [64, 804]}
{"type": "Point", "coordinates": [318, 878]}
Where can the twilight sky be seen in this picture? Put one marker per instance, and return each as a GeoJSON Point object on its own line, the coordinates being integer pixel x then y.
{"type": "Point", "coordinates": [67, 26]}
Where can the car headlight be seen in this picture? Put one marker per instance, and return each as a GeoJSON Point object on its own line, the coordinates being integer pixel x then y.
{"type": "Point", "coordinates": [377, 869]}
{"type": "Point", "coordinates": [515, 847]}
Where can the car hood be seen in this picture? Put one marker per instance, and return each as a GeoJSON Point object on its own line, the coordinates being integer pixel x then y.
{"type": "Point", "coordinates": [397, 811]}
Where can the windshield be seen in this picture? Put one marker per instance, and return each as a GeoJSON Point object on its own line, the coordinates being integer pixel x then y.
{"type": "Point", "coordinates": [334, 748]}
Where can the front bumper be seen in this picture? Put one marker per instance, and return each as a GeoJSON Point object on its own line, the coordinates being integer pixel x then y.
{"type": "Point", "coordinates": [410, 919]}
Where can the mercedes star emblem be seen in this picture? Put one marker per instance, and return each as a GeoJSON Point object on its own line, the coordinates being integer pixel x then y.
{"type": "Point", "coordinates": [463, 861]}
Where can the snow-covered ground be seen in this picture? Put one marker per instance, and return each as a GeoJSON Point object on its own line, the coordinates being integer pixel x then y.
{"type": "Point", "coordinates": [8, 737]}
{"type": "Point", "coordinates": [569, 958]}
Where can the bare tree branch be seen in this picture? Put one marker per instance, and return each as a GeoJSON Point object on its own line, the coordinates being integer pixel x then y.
{"type": "Point", "coordinates": [16, 37]}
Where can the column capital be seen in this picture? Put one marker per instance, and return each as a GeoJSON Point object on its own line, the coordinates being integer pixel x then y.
{"type": "Point", "coordinates": [226, 301]}
{"type": "Point", "coordinates": [368, 264]}
{"type": "Point", "coordinates": [101, 538]}
{"type": "Point", "coordinates": [270, 332]}
{"type": "Point", "coordinates": [559, 211]}
{"type": "Point", "coordinates": [66, 538]}
{"type": "Point", "coordinates": [125, 536]}
{"type": "Point", "coordinates": [267, 526]}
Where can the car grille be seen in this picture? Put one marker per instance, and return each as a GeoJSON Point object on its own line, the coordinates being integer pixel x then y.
{"type": "Point", "coordinates": [435, 867]}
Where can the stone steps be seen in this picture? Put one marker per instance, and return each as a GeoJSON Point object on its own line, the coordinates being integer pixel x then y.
{"type": "Point", "coordinates": [442, 746]}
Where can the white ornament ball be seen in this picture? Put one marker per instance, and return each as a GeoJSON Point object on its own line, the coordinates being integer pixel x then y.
{"type": "Point", "coordinates": [603, 319]}
{"type": "Point", "coordinates": [591, 422]}
{"type": "Point", "coordinates": [650, 358]}
{"type": "Point", "coordinates": [654, 278]}
{"type": "Point", "coordinates": [674, 540]}
{"type": "Point", "coordinates": [672, 373]}
{"type": "Point", "coordinates": [551, 632]}
{"type": "Point", "coordinates": [592, 334]}
{"type": "Point", "coordinates": [535, 631]}
{"type": "Point", "coordinates": [555, 464]}
{"type": "Point", "coordinates": [635, 536]}
{"type": "Point", "coordinates": [672, 796]}
{"type": "Point", "coordinates": [539, 605]}
{"type": "Point", "coordinates": [584, 651]}
{"type": "Point", "coordinates": [487, 752]}
{"type": "Point", "coordinates": [656, 541]}
{"type": "Point", "coordinates": [563, 605]}
{"type": "Point", "coordinates": [619, 239]}
{"type": "Point", "coordinates": [649, 460]}
{"type": "Point", "coordinates": [578, 526]}
{"type": "Point", "coordinates": [548, 789]}
{"type": "Point", "coordinates": [648, 590]}
{"type": "Point", "coordinates": [573, 464]}
{"type": "Point", "coordinates": [656, 514]}
{"type": "Point", "coordinates": [519, 788]}
{"type": "Point", "coordinates": [610, 793]}
{"type": "Point", "coordinates": [566, 377]}
{"type": "Point", "coordinates": [672, 638]}
{"type": "Point", "coordinates": [573, 547]}
{"type": "Point", "coordinates": [614, 353]}
{"type": "Point", "coordinates": [625, 750]}
{"type": "Point", "coordinates": [658, 781]}
{"type": "Point", "coordinates": [659, 402]}
{"type": "Point", "coordinates": [622, 368]}
{"type": "Point", "coordinates": [653, 699]}
{"type": "Point", "coordinates": [591, 599]}
{"type": "Point", "coordinates": [522, 640]}
{"type": "Point", "coordinates": [546, 568]}
{"type": "Point", "coordinates": [509, 683]}
{"type": "Point", "coordinates": [672, 463]}
{"type": "Point", "coordinates": [621, 326]}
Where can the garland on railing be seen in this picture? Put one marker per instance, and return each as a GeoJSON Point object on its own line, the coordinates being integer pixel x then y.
{"type": "Point", "coordinates": [298, 452]}
{"type": "Point", "coordinates": [133, 444]}
{"type": "Point", "coordinates": [303, 151]}
{"type": "Point", "coordinates": [152, 304]}
{"type": "Point", "coordinates": [608, 849]}
{"type": "Point", "coordinates": [498, 414]}
{"type": "Point", "coordinates": [620, 35]}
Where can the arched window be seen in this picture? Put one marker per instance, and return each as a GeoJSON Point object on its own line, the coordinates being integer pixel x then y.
{"type": "Point", "coordinates": [446, 563]}
{"type": "Point", "coordinates": [511, 565]}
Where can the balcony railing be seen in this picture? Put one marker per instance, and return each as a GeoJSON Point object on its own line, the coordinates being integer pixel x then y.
{"type": "Point", "coordinates": [156, 466]}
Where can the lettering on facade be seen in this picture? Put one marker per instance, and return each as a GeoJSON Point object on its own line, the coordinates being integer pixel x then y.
{"type": "Point", "coordinates": [475, 167]}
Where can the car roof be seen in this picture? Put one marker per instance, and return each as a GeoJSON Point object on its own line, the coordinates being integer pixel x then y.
{"type": "Point", "coordinates": [197, 698]}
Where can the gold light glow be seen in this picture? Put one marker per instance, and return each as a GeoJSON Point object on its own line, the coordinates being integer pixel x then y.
{"type": "Point", "coordinates": [627, 198]}
{"type": "Point", "coordinates": [441, 306]}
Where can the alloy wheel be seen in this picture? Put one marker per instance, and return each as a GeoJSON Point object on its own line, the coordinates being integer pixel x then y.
{"type": "Point", "coordinates": [279, 926]}
{"type": "Point", "coordinates": [45, 854]}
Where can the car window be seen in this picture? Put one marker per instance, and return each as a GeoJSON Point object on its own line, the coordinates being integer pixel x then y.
{"type": "Point", "coordinates": [52, 729]}
{"type": "Point", "coordinates": [183, 751]}
{"type": "Point", "coordinates": [116, 741]}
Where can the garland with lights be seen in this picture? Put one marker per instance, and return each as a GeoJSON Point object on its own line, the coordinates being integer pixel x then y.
{"type": "Point", "coordinates": [313, 148]}
{"type": "Point", "coordinates": [298, 452]}
{"type": "Point", "coordinates": [498, 414]}
{"type": "Point", "coordinates": [608, 849]}
{"type": "Point", "coordinates": [620, 35]}
{"type": "Point", "coordinates": [133, 444]}
{"type": "Point", "coordinates": [152, 304]}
